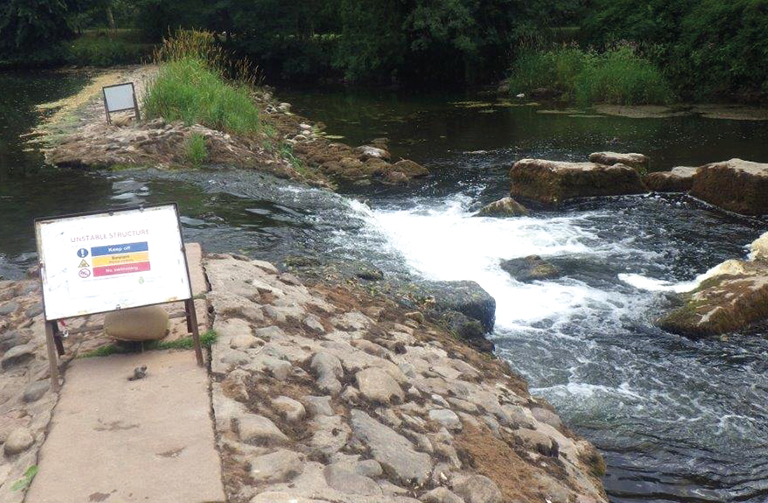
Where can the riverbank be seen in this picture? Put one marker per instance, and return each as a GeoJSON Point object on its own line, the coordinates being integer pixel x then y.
{"type": "Point", "coordinates": [322, 391]}
{"type": "Point", "coordinates": [76, 134]}
{"type": "Point", "coordinates": [649, 400]}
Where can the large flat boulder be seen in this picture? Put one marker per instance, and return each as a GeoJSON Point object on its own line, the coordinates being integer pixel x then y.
{"type": "Point", "coordinates": [640, 162]}
{"type": "Point", "coordinates": [734, 297]}
{"type": "Point", "coordinates": [735, 185]}
{"type": "Point", "coordinates": [553, 182]}
{"type": "Point", "coordinates": [679, 179]}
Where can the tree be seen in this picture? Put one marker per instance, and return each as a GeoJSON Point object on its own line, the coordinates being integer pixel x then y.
{"type": "Point", "coordinates": [28, 25]}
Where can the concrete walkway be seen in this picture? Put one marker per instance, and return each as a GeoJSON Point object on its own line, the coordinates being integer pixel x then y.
{"type": "Point", "coordinates": [119, 441]}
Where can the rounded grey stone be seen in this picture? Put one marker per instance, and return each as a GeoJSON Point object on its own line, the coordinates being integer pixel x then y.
{"type": "Point", "coordinates": [19, 440]}
{"type": "Point", "coordinates": [35, 391]}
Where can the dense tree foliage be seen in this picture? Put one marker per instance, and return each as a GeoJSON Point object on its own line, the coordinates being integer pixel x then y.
{"type": "Point", "coordinates": [705, 48]}
{"type": "Point", "coordinates": [29, 25]}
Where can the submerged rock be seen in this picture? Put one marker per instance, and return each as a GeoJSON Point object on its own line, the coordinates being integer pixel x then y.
{"type": "Point", "coordinates": [735, 185]}
{"type": "Point", "coordinates": [530, 268]}
{"type": "Point", "coordinates": [734, 297]}
{"type": "Point", "coordinates": [679, 179]}
{"type": "Point", "coordinates": [505, 207]}
{"type": "Point", "coordinates": [638, 161]}
{"type": "Point", "coordinates": [552, 182]}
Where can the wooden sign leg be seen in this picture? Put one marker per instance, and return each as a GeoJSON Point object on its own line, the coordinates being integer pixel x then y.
{"type": "Point", "coordinates": [189, 305]}
{"type": "Point", "coordinates": [53, 358]}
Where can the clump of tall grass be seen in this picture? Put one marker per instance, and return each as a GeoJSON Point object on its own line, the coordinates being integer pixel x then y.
{"type": "Point", "coordinates": [195, 150]}
{"type": "Point", "coordinates": [554, 69]}
{"type": "Point", "coordinates": [187, 89]}
{"type": "Point", "coordinates": [200, 82]}
{"type": "Point", "coordinates": [203, 45]}
{"type": "Point", "coordinates": [618, 76]}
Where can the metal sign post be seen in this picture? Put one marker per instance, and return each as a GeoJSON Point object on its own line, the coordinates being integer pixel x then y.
{"type": "Point", "coordinates": [93, 263]}
{"type": "Point", "coordinates": [120, 98]}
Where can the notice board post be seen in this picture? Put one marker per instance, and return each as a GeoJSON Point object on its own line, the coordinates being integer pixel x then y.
{"type": "Point", "coordinates": [93, 263]}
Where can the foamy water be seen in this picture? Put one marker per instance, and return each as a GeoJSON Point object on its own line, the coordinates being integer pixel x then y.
{"type": "Point", "coordinates": [446, 242]}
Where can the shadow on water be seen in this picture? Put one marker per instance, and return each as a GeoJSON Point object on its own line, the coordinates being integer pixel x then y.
{"type": "Point", "coordinates": [677, 420]}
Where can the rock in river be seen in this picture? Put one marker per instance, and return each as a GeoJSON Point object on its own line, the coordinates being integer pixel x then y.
{"type": "Point", "coordinates": [505, 207]}
{"type": "Point", "coordinates": [735, 185]}
{"type": "Point", "coordinates": [552, 182]}
{"type": "Point", "coordinates": [638, 161]}
{"type": "Point", "coordinates": [530, 268]}
{"type": "Point", "coordinates": [679, 179]}
{"type": "Point", "coordinates": [466, 297]}
{"type": "Point", "coordinates": [734, 297]}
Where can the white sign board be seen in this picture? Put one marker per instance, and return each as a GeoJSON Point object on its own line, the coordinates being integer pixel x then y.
{"type": "Point", "coordinates": [119, 97]}
{"type": "Point", "coordinates": [101, 262]}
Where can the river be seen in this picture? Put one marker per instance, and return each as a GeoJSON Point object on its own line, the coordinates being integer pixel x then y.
{"type": "Point", "coordinates": [677, 420]}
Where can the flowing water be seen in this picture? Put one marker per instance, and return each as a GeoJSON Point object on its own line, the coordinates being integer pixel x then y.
{"type": "Point", "coordinates": [677, 420]}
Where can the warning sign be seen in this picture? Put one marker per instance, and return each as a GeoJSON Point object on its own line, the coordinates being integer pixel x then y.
{"type": "Point", "coordinates": [125, 258]}
{"type": "Point", "coordinates": [120, 259]}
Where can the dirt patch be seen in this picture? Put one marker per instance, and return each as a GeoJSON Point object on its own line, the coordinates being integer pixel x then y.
{"type": "Point", "coordinates": [497, 460]}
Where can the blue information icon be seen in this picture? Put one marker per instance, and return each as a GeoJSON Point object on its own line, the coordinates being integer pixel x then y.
{"type": "Point", "coordinates": [82, 253]}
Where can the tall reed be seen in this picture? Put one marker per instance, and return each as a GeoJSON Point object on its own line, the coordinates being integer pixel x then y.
{"type": "Point", "coordinates": [204, 46]}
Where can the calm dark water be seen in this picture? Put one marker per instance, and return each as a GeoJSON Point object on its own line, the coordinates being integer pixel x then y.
{"type": "Point", "coordinates": [677, 420]}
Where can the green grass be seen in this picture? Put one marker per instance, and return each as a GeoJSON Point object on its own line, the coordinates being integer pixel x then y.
{"type": "Point", "coordinates": [553, 69]}
{"type": "Point", "coordinates": [206, 340]}
{"type": "Point", "coordinates": [286, 151]}
{"type": "Point", "coordinates": [107, 48]}
{"type": "Point", "coordinates": [618, 76]}
{"type": "Point", "coordinates": [26, 480]}
{"type": "Point", "coordinates": [190, 91]}
{"type": "Point", "coordinates": [195, 150]}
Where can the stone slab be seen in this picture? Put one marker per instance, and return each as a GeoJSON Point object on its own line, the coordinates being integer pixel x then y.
{"type": "Point", "coordinates": [113, 440]}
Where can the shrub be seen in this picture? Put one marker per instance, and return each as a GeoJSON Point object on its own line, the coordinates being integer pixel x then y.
{"type": "Point", "coordinates": [617, 76]}
{"type": "Point", "coordinates": [189, 90]}
{"type": "Point", "coordinates": [196, 152]}
{"type": "Point", "coordinates": [108, 47]}
{"type": "Point", "coordinates": [557, 68]}
{"type": "Point", "coordinates": [620, 77]}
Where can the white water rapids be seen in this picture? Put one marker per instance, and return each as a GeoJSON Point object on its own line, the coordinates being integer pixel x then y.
{"type": "Point", "coordinates": [587, 341]}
